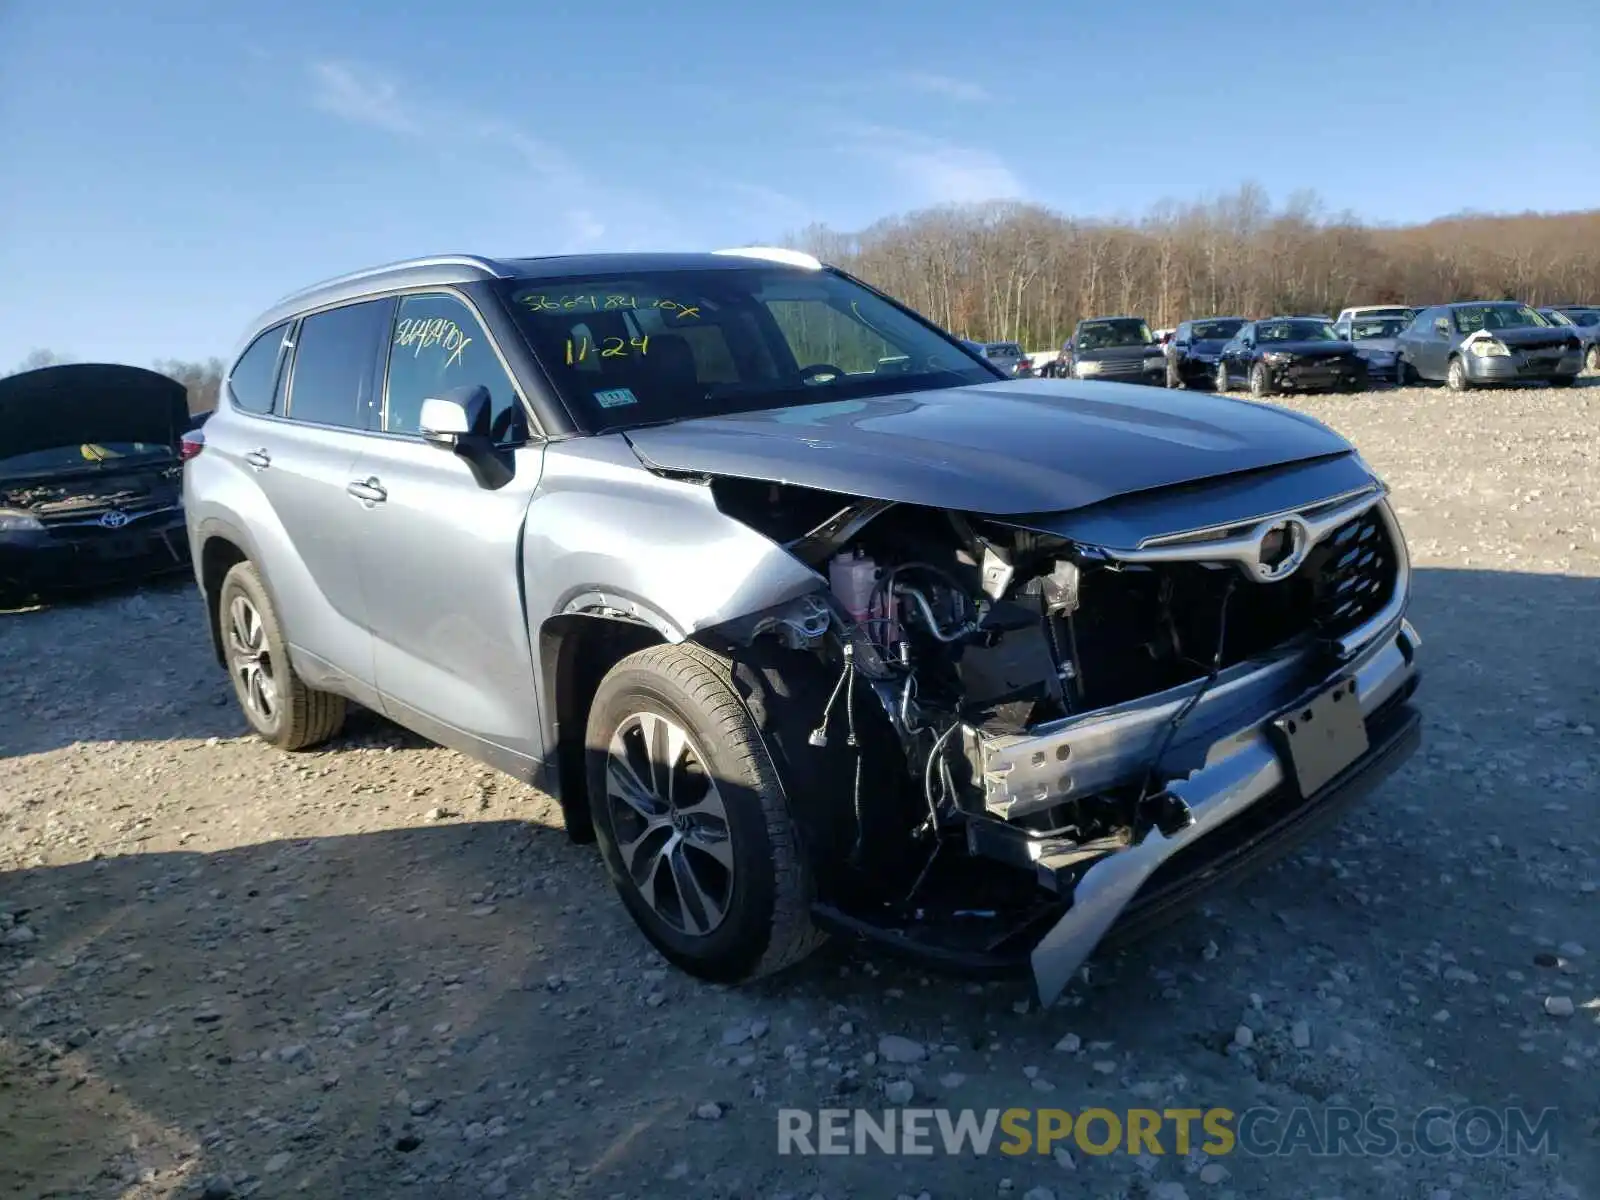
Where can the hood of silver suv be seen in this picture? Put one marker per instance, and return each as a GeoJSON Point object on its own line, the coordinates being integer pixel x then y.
{"type": "Point", "coordinates": [1003, 448]}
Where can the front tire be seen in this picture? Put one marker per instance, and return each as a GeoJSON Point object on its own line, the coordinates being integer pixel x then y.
{"type": "Point", "coordinates": [1592, 359]}
{"type": "Point", "coordinates": [1260, 382]}
{"type": "Point", "coordinates": [281, 709]}
{"type": "Point", "coordinates": [692, 819]}
{"type": "Point", "coordinates": [1455, 376]}
{"type": "Point", "coordinates": [1220, 383]}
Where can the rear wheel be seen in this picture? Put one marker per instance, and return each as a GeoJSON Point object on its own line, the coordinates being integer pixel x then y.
{"type": "Point", "coordinates": [1455, 376]}
{"type": "Point", "coordinates": [692, 819]}
{"type": "Point", "coordinates": [279, 706]}
{"type": "Point", "coordinates": [1260, 381]}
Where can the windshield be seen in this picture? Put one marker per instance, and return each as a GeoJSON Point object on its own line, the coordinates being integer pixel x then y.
{"type": "Point", "coordinates": [1004, 350]}
{"type": "Point", "coordinates": [1103, 335]}
{"type": "Point", "coordinates": [1381, 327]}
{"type": "Point", "coordinates": [79, 457]}
{"type": "Point", "coordinates": [1215, 331]}
{"type": "Point", "coordinates": [1302, 330]}
{"type": "Point", "coordinates": [654, 346]}
{"type": "Point", "coordinates": [1472, 317]}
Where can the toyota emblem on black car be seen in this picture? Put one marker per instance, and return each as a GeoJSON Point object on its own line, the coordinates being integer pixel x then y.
{"type": "Point", "coordinates": [115, 519]}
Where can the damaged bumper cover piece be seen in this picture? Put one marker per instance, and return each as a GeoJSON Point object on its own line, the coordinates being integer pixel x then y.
{"type": "Point", "coordinates": [1242, 770]}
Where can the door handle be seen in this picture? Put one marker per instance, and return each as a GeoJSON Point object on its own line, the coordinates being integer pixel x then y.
{"type": "Point", "coordinates": [368, 489]}
{"type": "Point", "coordinates": [259, 459]}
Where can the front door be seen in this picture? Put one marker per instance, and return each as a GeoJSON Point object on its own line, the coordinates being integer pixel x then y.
{"type": "Point", "coordinates": [440, 553]}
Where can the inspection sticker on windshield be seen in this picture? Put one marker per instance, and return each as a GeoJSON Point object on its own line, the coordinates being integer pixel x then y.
{"type": "Point", "coordinates": [616, 397]}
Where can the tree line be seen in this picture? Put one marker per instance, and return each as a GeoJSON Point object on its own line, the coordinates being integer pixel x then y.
{"type": "Point", "coordinates": [201, 379]}
{"type": "Point", "coordinates": [1013, 271]}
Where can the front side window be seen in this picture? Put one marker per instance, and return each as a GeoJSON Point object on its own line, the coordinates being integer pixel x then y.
{"type": "Point", "coordinates": [334, 354]}
{"type": "Point", "coordinates": [254, 377]}
{"type": "Point", "coordinates": [438, 344]}
{"type": "Point", "coordinates": [652, 346]}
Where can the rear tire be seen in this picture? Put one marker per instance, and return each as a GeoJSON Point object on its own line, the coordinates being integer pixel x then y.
{"type": "Point", "coordinates": [1260, 382]}
{"type": "Point", "coordinates": [281, 709]}
{"type": "Point", "coordinates": [1455, 376]}
{"type": "Point", "coordinates": [692, 820]}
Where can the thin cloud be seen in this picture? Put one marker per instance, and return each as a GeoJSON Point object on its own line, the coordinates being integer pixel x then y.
{"type": "Point", "coordinates": [933, 171]}
{"type": "Point", "coordinates": [947, 86]}
{"type": "Point", "coordinates": [361, 96]}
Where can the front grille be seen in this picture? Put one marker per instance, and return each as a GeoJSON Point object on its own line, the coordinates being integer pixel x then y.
{"type": "Point", "coordinates": [1353, 573]}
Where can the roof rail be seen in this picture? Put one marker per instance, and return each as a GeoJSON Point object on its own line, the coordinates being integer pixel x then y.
{"type": "Point", "coordinates": [488, 266]}
{"type": "Point", "coordinates": [777, 254]}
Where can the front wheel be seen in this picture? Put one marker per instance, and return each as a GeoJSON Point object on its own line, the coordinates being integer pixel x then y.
{"type": "Point", "coordinates": [276, 701]}
{"type": "Point", "coordinates": [1592, 359]}
{"type": "Point", "coordinates": [1455, 377]}
{"type": "Point", "coordinates": [1220, 383]}
{"type": "Point", "coordinates": [1260, 381]}
{"type": "Point", "coordinates": [692, 819]}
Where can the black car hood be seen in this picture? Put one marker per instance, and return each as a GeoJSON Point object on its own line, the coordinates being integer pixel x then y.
{"type": "Point", "coordinates": [1029, 446]}
{"type": "Point", "coordinates": [1308, 349]}
{"type": "Point", "coordinates": [89, 402]}
{"type": "Point", "coordinates": [1117, 353]}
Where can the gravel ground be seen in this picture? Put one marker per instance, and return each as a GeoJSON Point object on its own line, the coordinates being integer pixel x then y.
{"type": "Point", "coordinates": [382, 970]}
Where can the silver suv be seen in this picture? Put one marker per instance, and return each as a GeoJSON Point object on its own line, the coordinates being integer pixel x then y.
{"type": "Point", "coordinates": [811, 618]}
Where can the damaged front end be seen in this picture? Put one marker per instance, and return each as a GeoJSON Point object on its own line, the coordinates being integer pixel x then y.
{"type": "Point", "coordinates": [1009, 738]}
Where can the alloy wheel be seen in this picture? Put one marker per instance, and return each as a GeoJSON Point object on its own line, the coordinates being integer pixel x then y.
{"type": "Point", "coordinates": [671, 823]}
{"type": "Point", "coordinates": [251, 658]}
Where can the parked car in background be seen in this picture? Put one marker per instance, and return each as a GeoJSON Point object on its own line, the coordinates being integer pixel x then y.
{"type": "Point", "coordinates": [1118, 350]}
{"type": "Point", "coordinates": [1290, 354]}
{"type": "Point", "coordinates": [1342, 323]}
{"type": "Point", "coordinates": [1191, 356]}
{"type": "Point", "coordinates": [803, 644]}
{"type": "Point", "coordinates": [90, 478]}
{"type": "Point", "coordinates": [1485, 342]}
{"type": "Point", "coordinates": [1585, 321]}
{"type": "Point", "coordinates": [1376, 338]}
{"type": "Point", "coordinates": [1008, 356]}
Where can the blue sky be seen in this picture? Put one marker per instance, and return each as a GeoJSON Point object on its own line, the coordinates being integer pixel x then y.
{"type": "Point", "coordinates": [174, 166]}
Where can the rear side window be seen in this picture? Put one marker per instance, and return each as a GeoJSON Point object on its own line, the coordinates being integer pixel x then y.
{"type": "Point", "coordinates": [335, 352]}
{"type": "Point", "coordinates": [254, 376]}
{"type": "Point", "coordinates": [439, 345]}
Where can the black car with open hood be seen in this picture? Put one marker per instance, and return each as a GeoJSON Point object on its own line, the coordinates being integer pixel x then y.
{"type": "Point", "coordinates": [90, 477]}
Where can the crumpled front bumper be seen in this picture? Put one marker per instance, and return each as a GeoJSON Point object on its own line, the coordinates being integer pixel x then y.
{"type": "Point", "coordinates": [1243, 776]}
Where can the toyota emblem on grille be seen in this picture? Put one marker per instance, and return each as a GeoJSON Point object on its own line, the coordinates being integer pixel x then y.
{"type": "Point", "coordinates": [1281, 546]}
{"type": "Point", "coordinates": [115, 519]}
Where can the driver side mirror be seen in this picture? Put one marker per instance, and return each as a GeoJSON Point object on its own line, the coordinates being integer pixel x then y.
{"type": "Point", "coordinates": [450, 418]}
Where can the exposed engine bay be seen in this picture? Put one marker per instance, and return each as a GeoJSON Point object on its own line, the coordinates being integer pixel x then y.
{"type": "Point", "coordinates": [147, 486]}
{"type": "Point", "coordinates": [962, 656]}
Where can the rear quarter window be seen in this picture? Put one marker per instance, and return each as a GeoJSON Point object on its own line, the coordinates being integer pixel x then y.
{"type": "Point", "coordinates": [254, 377]}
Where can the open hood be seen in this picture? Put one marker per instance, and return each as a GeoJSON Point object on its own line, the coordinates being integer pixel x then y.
{"type": "Point", "coordinates": [1004, 448]}
{"type": "Point", "coordinates": [89, 402]}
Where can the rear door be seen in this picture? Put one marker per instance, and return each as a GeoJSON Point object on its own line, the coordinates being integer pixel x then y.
{"type": "Point", "coordinates": [440, 552]}
{"type": "Point", "coordinates": [302, 457]}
